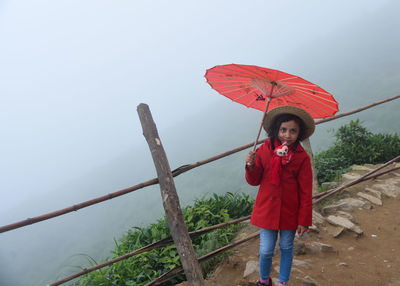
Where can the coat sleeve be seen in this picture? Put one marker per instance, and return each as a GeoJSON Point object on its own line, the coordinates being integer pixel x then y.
{"type": "Point", "coordinates": [254, 176]}
{"type": "Point", "coordinates": [305, 180]}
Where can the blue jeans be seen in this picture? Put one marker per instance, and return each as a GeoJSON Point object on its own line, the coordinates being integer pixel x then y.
{"type": "Point", "coordinates": [268, 239]}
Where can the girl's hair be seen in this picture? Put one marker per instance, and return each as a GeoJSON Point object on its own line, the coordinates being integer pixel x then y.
{"type": "Point", "coordinates": [274, 130]}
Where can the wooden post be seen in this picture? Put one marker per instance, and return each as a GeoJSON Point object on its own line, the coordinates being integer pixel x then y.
{"type": "Point", "coordinates": [307, 146]}
{"type": "Point", "coordinates": [170, 199]}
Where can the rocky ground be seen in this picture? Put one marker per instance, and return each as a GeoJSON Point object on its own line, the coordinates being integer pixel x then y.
{"type": "Point", "coordinates": [355, 240]}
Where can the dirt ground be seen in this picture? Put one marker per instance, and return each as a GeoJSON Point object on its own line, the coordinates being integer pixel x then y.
{"type": "Point", "coordinates": [372, 258]}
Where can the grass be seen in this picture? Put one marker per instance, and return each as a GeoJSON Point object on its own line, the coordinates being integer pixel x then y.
{"type": "Point", "coordinates": [143, 268]}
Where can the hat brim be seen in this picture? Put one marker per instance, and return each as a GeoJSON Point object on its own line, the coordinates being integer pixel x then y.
{"type": "Point", "coordinates": [309, 124]}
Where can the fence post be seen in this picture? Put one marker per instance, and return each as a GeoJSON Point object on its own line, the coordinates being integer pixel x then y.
{"type": "Point", "coordinates": [170, 199]}
{"type": "Point", "coordinates": [307, 146]}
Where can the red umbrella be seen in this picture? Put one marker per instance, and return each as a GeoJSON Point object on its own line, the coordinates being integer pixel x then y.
{"type": "Point", "coordinates": [263, 88]}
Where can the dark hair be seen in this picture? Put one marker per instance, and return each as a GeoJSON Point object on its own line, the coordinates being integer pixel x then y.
{"type": "Point", "coordinates": [274, 130]}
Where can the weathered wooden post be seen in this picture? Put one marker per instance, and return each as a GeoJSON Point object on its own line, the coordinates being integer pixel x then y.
{"type": "Point", "coordinates": [307, 146]}
{"type": "Point", "coordinates": [170, 199]}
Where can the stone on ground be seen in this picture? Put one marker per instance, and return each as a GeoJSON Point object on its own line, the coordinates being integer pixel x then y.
{"type": "Point", "coordinates": [313, 228]}
{"type": "Point", "coordinates": [301, 263]}
{"type": "Point", "coordinates": [317, 218]}
{"type": "Point", "coordinates": [344, 222]}
{"type": "Point", "coordinates": [299, 247]}
{"type": "Point", "coordinates": [346, 215]}
{"type": "Point", "coordinates": [335, 231]}
{"type": "Point", "coordinates": [350, 177]}
{"type": "Point", "coordinates": [373, 192]}
{"type": "Point", "coordinates": [356, 203]}
{"type": "Point", "coordinates": [251, 267]}
{"type": "Point", "coordinates": [391, 191]}
{"type": "Point", "coordinates": [324, 247]}
{"type": "Point", "coordinates": [361, 168]}
{"type": "Point", "coordinates": [329, 185]}
{"type": "Point", "coordinates": [331, 209]}
{"type": "Point", "coordinates": [308, 281]}
{"type": "Point", "coordinates": [370, 198]}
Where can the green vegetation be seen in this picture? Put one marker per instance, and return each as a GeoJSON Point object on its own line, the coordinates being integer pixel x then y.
{"type": "Point", "coordinates": [355, 145]}
{"type": "Point", "coordinates": [143, 268]}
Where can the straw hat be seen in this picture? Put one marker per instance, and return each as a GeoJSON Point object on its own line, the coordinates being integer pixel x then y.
{"type": "Point", "coordinates": [308, 121]}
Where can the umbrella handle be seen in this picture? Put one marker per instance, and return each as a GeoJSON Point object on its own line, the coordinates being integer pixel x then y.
{"type": "Point", "coordinates": [273, 84]}
{"type": "Point", "coordinates": [262, 121]}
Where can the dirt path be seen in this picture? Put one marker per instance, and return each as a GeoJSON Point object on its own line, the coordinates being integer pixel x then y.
{"type": "Point", "coordinates": [372, 258]}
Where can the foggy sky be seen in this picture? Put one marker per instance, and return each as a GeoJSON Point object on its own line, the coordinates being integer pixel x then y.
{"type": "Point", "coordinates": [73, 72]}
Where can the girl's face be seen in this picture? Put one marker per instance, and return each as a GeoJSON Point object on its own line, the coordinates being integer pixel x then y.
{"type": "Point", "coordinates": [288, 132]}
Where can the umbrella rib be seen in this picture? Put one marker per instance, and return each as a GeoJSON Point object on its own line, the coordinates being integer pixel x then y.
{"type": "Point", "coordinates": [320, 102]}
{"type": "Point", "coordinates": [249, 105]}
{"type": "Point", "coordinates": [223, 80]}
{"type": "Point", "coordinates": [297, 99]}
{"type": "Point", "coordinates": [305, 89]}
{"type": "Point", "coordinates": [240, 97]}
{"type": "Point", "coordinates": [283, 89]}
{"type": "Point", "coordinates": [292, 100]}
{"type": "Point", "coordinates": [234, 73]}
{"type": "Point", "coordinates": [295, 102]}
{"type": "Point", "coordinates": [282, 92]}
{"type": "Point", "coordinates": [230, 91]}
{"type": "Point", "coordinates": [300, 103]}
{"type": "Point", "coordinates": [306, 84]}
{"type": "Point", "coordinates": [283, 79]}
{"type": "Point", "coordinates": [247, 72]}
{"type": "Point", "coordinates": [316, 96]}
{"type": "Point", "coordinates": [236, 85]}
{"type": "Point", "coordinates": [310, 106]}
{"type": "Point", "coordinates": [263, 73]}
{"type": "Point", "coordinates": [285, 86]}
{"type": "Point", "coordinates": [284, 99]}
{"type": "Point", "coordinates": [313, 91]}
{"type": "Point", "coordinates": [316, 93]}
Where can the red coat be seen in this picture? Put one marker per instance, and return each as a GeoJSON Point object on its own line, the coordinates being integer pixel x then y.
{"type": "Point", "coordinates": [288, 205]}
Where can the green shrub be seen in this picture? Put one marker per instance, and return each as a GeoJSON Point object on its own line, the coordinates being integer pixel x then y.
{"type": "Point", "coordinates": [329, 168]}
{"type": "Point", "coordinates": [355, 145]}
{"type": "Point", "coordinates": [142, 268]}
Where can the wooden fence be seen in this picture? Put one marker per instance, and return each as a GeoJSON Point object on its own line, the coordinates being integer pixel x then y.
{"type": "Point", "coordinates": [172, 207]}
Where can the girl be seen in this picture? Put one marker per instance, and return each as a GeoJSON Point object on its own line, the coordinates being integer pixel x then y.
{"type": "Point", "coordinates": [284, 199]}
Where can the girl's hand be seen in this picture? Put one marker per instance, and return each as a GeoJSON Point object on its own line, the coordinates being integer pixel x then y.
{"type": "Point", "coordinates": [251, 159]}
{"type": "Point", "coordinates": [301, 229]}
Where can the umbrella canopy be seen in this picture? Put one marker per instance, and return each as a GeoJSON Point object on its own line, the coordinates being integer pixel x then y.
{"type": "Point", "coordinates": [263, 88]}
{"type": "Point", "coordinates": [259, 87]}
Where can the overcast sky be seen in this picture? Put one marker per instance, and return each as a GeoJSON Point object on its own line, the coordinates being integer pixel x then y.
{"type": "Point", "coordinates": [73, 72]}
